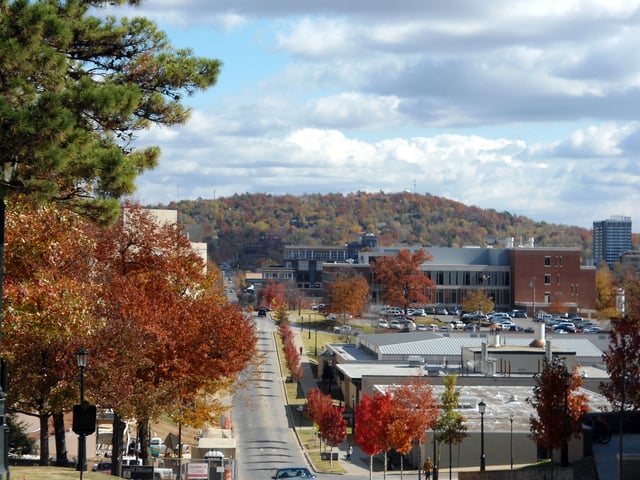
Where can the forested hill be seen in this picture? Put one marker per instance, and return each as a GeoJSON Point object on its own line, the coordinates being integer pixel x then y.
{"type": "Point", "coordinates": [336, 219]}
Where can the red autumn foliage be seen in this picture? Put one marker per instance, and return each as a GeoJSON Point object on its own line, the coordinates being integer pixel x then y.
{"type": "Point", "coordinates": [555, 400]}
{"type": "Point", "coordinates": [290, 350]}
{"type": "Point", "coordinates": [623, 364]}
{"type": "Point", "coordinates": [402, 281]}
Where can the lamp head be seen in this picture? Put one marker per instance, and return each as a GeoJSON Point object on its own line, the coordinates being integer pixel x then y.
{"type": "Point", "coordinates": [82, 358]}
{"type": "Point", "coordinates": [482, 407]}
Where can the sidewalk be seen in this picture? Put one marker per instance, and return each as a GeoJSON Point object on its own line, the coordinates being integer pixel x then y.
{"type": "Point", "coordinates": [359, 464]}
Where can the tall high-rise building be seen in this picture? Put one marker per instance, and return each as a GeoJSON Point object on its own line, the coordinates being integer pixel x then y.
{"type": "Point", "coordinates": [611, 238]}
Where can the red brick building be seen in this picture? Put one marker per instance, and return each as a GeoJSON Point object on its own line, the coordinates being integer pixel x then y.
{"type": "Point", "coordinates": [542, 277]}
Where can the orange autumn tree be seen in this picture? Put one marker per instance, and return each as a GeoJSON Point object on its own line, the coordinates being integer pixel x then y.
{"type": "Point", "coordinates": [414, 410]}
{"type": "Point", "coordinates": [348, 293]}
{"type": "Point", "coordinates": [558, 406]}
{"type": "Point", "coordinates": [402, 281]}
{"type": "Point", "coordinates": [168, 341]}
{"type": "Point", "coordinates": [48, 293]}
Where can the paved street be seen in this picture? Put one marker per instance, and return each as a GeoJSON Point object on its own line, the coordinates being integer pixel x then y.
{"type": "Point", "coordinates": [265, 439]}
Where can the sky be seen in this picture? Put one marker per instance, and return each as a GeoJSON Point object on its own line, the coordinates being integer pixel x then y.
{"type": "Point", "coordinates": [530, 107]}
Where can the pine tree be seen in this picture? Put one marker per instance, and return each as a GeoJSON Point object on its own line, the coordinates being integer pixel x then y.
{"type": "Point", "coordinates": [75, 92]}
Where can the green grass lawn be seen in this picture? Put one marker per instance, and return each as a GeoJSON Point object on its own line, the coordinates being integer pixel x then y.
{"type": "Point", "coordinates": [52, 473]}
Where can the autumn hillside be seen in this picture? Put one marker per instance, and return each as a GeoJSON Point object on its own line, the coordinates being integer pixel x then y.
{"type": "Point", "coordinates": [336, 219]}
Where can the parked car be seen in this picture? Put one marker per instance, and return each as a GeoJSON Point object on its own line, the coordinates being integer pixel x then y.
{"type": "Point", "coordinates": [344, 329]}
{"type": "Point", "coordinates": [417, 312]}
{"type": "Point", "coordinates": [104, 467]}
{"type": "Point", "coordinates": [592, 330]}
{"type": "Point", "coordinates": [421, 327]}
{"type": "Point", "coordinates": [382, 323]}
{"type": "Point", "coordinates": [262, 311]}
{"type": "Point", "coordinates": [157, 447]}
{"type": "Point", "coordinates": [441, 311]}
{"type": "Point", "coordinates": [395, 325]}
{"type": "Point", "coordinates": [293, 472]}
{"type": "Point", "coordinates": [565, 326]}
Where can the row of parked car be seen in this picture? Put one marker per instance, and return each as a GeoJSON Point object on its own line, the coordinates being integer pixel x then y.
{"type": "Point", "coordinates": [420, 312]}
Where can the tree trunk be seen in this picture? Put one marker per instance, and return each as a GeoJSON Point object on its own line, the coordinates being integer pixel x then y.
{"type": "Point", "coordinates": [385, 465]}
{"type": "Point", "coordinates": [44, 439]}
{"type": "Point", "coordinates": [116, 446]}
{"type": "Point", "coordinates": [370, 467]}
{"type": "Point", "coordinates": [62, 458]}
{"type": "Point", "coordinates": [143, 438]}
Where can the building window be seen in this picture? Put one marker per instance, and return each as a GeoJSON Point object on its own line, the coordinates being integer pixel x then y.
{"type": "Point", "coordinates": [303, 265]}
{"type": "Point", "coordinates": [547, 297]}
{"type": "Point", "coordinates": [558, 279]}
{"type": "Point", "coordinates": [547, 279]}
{"type": "Point", "coordinates": [547, 261]}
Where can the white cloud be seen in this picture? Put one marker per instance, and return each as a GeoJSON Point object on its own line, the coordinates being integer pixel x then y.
{"type": "Point", "coordinates": [524, 106]}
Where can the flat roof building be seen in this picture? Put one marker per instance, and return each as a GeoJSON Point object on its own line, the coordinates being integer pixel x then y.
{"type": "Point", "coordinates": [611, 238]}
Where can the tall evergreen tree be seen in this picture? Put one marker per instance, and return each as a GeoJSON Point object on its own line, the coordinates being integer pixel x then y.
{"type": "Point", "coordinates": [76, 90]}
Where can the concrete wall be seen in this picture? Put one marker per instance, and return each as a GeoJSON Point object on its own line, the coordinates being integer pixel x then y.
{"type": "Point", "coordinates": [527, 474]}
{"type": "Point", "coordinates": [497, 448]}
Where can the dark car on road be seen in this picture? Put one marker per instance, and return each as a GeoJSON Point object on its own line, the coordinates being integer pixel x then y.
{"type": "Point", "coordinates": [293, 472]}
{"type": "Point", "coordinates": [262, 311]}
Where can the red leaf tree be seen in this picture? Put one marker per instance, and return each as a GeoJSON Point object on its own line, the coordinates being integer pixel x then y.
{"type": "Point", "coordinates": [623, 365]}
{"type": "Point", "coordinates": [328, 417]}
{"type": "Point", "coordinates": [415, 410]}
{"type": "Point", "coordinates": [373, 417]}
{"type": "Point", "coordinates": [555, 400]}
{"type": "Point", "coordinates": [166, 340]}
{"type": "Point", "coordinates": [333, 427]}
{"type": "Point", "coordinates": [402, 281]}
{"type": "Point", "coordinates": [290, 350]}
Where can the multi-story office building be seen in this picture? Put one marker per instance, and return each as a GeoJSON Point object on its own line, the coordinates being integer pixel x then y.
{"type": "Point", "coordinates": [611, 238]}
{"type": "Point", "coordinates": [528, 278]}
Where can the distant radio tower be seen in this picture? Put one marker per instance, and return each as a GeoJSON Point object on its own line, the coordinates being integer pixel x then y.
{"type": "Point", "coordinates": [414, 185]}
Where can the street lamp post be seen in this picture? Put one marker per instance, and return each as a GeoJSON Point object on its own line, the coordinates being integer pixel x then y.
{"type": "Point", "coordinates": [564, 454]}
{"type": "Point", "coordinates": [434, 473]}
{"type": "Point", "coordinates": [532, 285]}
{"type": "Point", "coordinates": [482, 407]}
{"type": "Point", "coordinates": [511, 439]}
{"type": "Point", "coordinates": [309, 336]}
{"type": "Point", "coordinates": [300, 410]}
{"type": "Point", "coordinates": [82, 357]}
{"type": "Point", "coordinates": [354, 399]}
